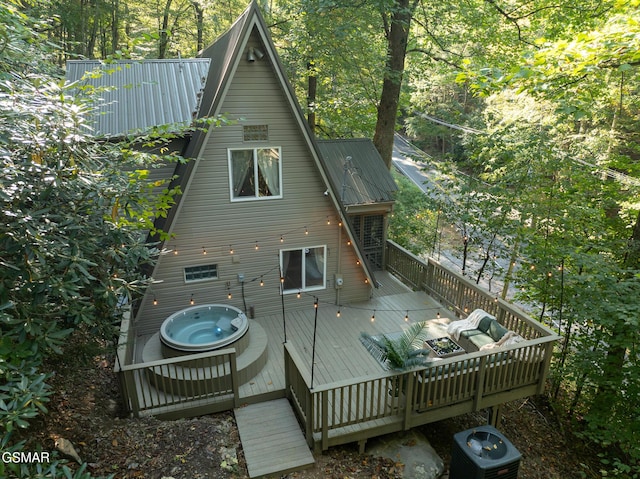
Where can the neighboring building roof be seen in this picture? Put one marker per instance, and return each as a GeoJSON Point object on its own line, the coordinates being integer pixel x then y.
{"type": "Point", "coordinates": [366, 179]}
{"type": "Point", "coordinates": [139, 95]}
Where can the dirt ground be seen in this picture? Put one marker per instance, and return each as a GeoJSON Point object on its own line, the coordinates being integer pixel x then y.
{"type": "Point", "coordinates": [84, 409]}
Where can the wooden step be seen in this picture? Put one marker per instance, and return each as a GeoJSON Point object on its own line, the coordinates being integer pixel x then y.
{"type": "Point", "coordinates": [271, 438]}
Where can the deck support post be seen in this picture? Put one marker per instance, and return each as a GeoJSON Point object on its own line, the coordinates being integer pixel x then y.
{"type": "Point", "coordinates": [361, 445]}
{"type": "Point", "coordinates": [495, 414]}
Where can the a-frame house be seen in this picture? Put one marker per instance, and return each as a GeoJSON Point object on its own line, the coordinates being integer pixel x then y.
{"type": "Point", "coordinates": [257, 197]}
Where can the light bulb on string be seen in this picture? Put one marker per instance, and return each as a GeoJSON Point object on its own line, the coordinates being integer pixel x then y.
{"type": "Point", "coordinates": [204, 251]}
{"type": "Point", "coordinates": [257, 247]}
{"type": "Point", "coordinates": [328, 220]}
{"type": "Point", "coordinates": [192, 301]}
{"type": "Point", "coordinates": [230, 249]}
{"type": "Point", "coordinates": [373, 316]}
{"type": "Point", "coordinates": [306, 231]}
{"type": "Point", "coordinates": [298, 295]}
{"type": "Point", "coordinates": [261, 281]}
{"type": "Point", "coordinates": [338, 313]}
{"type": "Point", "coordinates": [438, 315]}
{"type": "Point", "coordinates": [155, 301]}
{"type": "Point", "coordinates": [281, 238]}
{"type": "Point", "coordinates": [406, 317]}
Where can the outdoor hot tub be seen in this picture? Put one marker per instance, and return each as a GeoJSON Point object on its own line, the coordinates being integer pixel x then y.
{"type": "Point", "coordinates": [202, 328]}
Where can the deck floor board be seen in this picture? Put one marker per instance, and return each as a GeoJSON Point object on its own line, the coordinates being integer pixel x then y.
{"type": "Point", "coordinates": [271, 438]}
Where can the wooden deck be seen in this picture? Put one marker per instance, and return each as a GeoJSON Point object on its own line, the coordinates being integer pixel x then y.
{"type": "Point", "coordinates": [271, 438]}
{"type": "Point", "coordinates": [339, 392]}
{"type": "Point", "coordinates": [339, 355]}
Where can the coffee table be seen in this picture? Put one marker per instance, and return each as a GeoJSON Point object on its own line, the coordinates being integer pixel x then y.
{"type": "Point", "coordinates": [444, 347]}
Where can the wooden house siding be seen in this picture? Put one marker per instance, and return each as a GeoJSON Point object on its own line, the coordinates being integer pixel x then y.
{"type": "Point", "coordinates": [209, 220]}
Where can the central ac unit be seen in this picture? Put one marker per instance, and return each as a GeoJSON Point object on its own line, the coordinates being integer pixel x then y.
{"type": "Point", "coordinates": [483, 453]}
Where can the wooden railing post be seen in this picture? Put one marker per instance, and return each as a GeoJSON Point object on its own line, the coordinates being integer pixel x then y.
{"type": "Point", "coordinates": [234, 379]}
{"type": "Point", "coordinates": [480, 386]}
{"type": "Point", "coordinates": [408, 399]}
{"type": "Point", "coordinates": [325, 419]}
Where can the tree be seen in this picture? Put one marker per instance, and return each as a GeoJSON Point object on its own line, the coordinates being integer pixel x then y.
{"type": "Point", "coordinates": [73, 218]}
{"type": "Point", "coordinates": [397, 23]}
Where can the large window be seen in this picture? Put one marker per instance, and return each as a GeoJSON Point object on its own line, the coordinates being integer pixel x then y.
{"type": "Point", "coordinates": [255, 173]}
{"type": "Point", "coordinates": [303, 269]}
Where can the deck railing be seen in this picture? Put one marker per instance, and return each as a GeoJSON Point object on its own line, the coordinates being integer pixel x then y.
{"type": "Point", "coordinates": [359, 408]}
{"type": "Point", "coordinates": [456, 292]}
{"type": "Point", "coordinates": [204, 382]}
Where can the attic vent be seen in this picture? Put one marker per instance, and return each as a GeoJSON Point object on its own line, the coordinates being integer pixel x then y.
{"type": "Point", "coordinates": [255, 132]}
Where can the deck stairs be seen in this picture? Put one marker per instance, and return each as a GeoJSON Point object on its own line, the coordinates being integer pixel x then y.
{"type": "Point", "coordinates": [272, 440]}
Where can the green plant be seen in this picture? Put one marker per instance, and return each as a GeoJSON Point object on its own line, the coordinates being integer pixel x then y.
{"type": "Point", "coordinates": [404, 351]}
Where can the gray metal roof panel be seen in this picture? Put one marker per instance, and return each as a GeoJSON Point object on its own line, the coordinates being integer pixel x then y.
{"type": "Point", "coordinates": [138, 95]}
{"type": "Point", "coordinates": [366, 179]}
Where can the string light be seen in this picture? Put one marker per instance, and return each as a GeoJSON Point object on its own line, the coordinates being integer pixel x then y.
{"type": "Point", "coordinates": [373, 316]}
{"type": "Point", "coordinates": [261, 281]}
{"type": "Point", "coordinates": [306, 231]}
{"type": "Point", "coordinates": [204, 251]}
{"type": "Point", "coordinates": [299, 294]}
{"type": "Point", "coordinates": [315, 303]}
{"type": "Point", "coordinates": [348, 242]}
{"type": "Point", "coordinates": [192, 301]}
{"type": "Point", "coordinates": [230, 249]}
{"type": "Point", "coordinates": [155, 301]}
{"type": "Point", "coordinates": [338, 313]}
{"type": "Point", "coordinates": [175, 251]}
{"type": "Point", "coordinates": [438, 315]}
{"type": "Point", "coordinates": [328, 220]}
{"type": "Point", "coordinates": [281, 238]}
{"type": "Point", "coordinates": [406, 316]}
{"type": "Point", "coordinates": [257, 247]}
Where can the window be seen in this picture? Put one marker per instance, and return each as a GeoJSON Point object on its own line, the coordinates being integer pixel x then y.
{"type": "Point", "coordinates": [255, 133]}
{"type": "Point", "coordinates": [255, 173]}
{"type": "Point", "coordinates": [303, 269]}
{"type": "Point", "coordinates": [200, 273]}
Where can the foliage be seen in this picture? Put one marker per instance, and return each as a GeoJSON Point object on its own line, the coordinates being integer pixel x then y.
{"type": "Point", "coordinates": [413, 223]}
{"type": "Point", "coordinates": [405, 351]}
{"type": "Point", "coordinates": [74, 215]}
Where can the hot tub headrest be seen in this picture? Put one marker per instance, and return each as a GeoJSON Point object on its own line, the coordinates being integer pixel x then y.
{"type": "Point", "coordinates": [237, 321]}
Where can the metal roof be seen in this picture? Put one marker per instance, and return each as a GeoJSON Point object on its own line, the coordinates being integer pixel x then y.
{"type": "Point", "coordinates": [138, 95]}
{"type": "Point", "coordinates": [365, 179]}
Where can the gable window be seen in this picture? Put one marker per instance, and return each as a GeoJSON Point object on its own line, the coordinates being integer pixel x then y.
{"type": "Point", "coordinates": [255, 132]}
{"type": "Point", "coordinates": [200, 273]}
{"type": "Point", "coordinates": [255, 173]}
{"type": "Point", "coordinates": [303, 269]}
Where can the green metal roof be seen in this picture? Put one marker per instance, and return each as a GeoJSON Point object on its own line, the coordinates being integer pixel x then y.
{"type": "Point", "coordinates": [358, 170]}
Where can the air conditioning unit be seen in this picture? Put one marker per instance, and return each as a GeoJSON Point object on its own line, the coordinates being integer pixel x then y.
{"type": "Point", "coordinates": [483, 453]}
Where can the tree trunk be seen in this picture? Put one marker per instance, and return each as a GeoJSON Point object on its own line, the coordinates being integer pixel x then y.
{"type": "Point", "coordinates": [397, 38]}
{"type": "Point", "coordinates": [200, 25]}
{"type": "Point", "coordinates": [115, 25]}
{"type": "Point", "coordinates": [164, 34]}
{"type": "Point", "coordinates": [312, 89]}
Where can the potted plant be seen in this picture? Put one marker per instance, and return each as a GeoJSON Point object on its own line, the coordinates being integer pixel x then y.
{"type": "Point", "coordinates": [399, 352]}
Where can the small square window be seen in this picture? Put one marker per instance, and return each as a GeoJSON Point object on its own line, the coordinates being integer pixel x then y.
{"type": "Point", "coordinates": [255, 132]}
{"type": "Point", "coordinates": [200, 273]}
